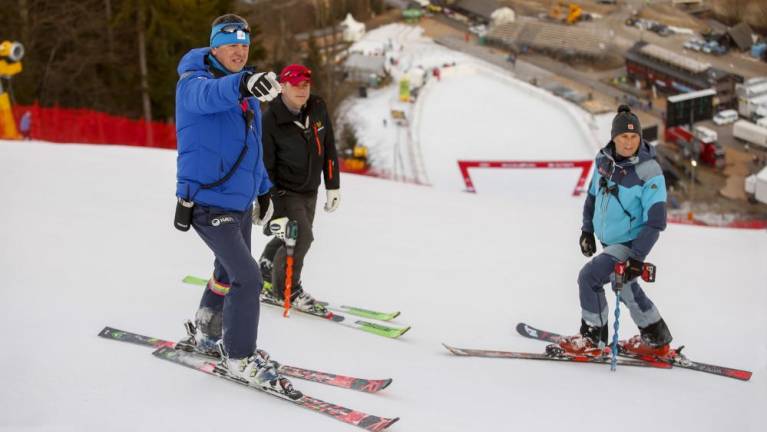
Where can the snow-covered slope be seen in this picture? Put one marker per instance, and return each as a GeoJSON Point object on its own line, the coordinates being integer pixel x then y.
{"type": "Point", "coordinates": [86, 241]}
{"type": "Point", "coordinates": [474, 111]}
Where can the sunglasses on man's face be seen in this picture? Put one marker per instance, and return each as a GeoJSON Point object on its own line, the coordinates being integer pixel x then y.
{"type": "Point", "coordinates": [234, 27]}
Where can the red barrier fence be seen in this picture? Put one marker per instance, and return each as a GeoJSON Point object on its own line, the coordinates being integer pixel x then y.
{"type": "Point", "coordinates": [69, 125]}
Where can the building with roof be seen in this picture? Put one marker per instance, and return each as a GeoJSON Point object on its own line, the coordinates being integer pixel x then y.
{"type": "Point", "coordinates": [477, 10]}
{"type": "Point", "coordinates": [364, 68]}
{"type": "Point", "coordinates": [567, 42]}
{"type": "Point", "coordinates": [742, 36]}
{"type": "Point", "coordinates": [673, 73]}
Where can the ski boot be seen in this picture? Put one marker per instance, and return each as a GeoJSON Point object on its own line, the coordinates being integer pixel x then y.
{"type": "Point", "coordinates": [197, 342]}
{"type": "Point", "coordinates": [591, 341]}
{"type": "Point", "coordinates": [303, 301]}
{"type": "Point", "coordinates": [652, 341]}
{"type": "Point", "coordinates": [300, 299]}
{"type": "Point", "coordinates": [256, 370]}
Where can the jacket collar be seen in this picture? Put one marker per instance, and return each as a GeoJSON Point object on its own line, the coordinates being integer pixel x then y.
{"type": "Point", "coordinates": [645, 152]}
{"type": "Point", "coordinates": [283, 115]}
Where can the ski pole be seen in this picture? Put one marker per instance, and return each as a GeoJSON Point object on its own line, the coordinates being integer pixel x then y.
{"type": "Point", "coordinates": [620, 272]}
{"type": "Point", "coordinates": [291, 235]}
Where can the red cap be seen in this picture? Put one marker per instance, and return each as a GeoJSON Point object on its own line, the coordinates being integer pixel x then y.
{"type": "Point", "coordinates": [295, 74]}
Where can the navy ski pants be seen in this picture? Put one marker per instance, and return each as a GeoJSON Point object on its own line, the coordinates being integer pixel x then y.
{"type": "Point", "coordinates": [227, 234]}
{"type": "Point", "coordinates": [599, 271]}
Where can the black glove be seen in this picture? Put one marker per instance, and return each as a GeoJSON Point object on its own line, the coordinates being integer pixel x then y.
{"type": "Point", "coordinates": [262, 210]}
{"type": "Point", "coordinates": [633, 269]}
{"type": "Point", "coordinates": [588, 244]}
{"type": "Point", "coordinates": [263, 86]}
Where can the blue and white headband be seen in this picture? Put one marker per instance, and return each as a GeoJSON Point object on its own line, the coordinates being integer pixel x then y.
{"type": "Point", "coordinates": [229, 33]}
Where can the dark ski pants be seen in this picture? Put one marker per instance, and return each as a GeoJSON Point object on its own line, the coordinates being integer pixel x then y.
{"type": "Point", "coordinates": [599, 271]}
{"type": "Point", "coordinates": [227, 234]}
{"type": "Point", "coordinates": [299, 207]}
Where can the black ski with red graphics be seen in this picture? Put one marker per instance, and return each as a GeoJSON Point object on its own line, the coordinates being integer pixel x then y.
{"type": "Point", "coordinates": [348, 382]}
{"type": "Point", "coordinates": [678, 360]}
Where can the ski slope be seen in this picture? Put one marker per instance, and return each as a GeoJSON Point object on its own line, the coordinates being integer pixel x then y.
{"type": "Point", "coordinates": [86, 241]}
{"type": "Point", "coordinates": [474, 111]}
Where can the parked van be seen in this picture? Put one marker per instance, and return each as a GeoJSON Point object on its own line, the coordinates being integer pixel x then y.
{"type": "Point", "coordinates": [749, 132]}
{"type": "Point", "coordinates": [725, 117]}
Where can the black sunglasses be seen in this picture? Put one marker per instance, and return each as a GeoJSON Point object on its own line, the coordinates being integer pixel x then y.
{"type": "Point", "coordinates": [234, 27]}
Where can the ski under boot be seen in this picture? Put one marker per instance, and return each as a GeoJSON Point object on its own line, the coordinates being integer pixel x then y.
{"type": "Point", "coordinates": [256, 370]}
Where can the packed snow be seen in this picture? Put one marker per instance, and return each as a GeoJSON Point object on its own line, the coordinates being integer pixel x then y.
{"type": "Point", "coordinates": [472, 111]}
{"type": "Point", "coordinates": [86, 241]}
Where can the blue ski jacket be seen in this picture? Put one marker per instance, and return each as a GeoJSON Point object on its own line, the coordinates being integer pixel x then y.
{"type": "Point", "coordinates": [211, 133]}
{"type": "Point", "coordinates": [626, 202]}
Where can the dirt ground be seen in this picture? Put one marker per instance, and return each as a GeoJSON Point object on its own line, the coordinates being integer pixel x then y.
{"type": "Point", "coordinates": [435, 29]}
{"type": "Point", "coordinates": [670, 15]}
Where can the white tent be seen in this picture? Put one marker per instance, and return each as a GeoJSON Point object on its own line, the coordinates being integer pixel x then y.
{"type": "Point", "coordinates": [353, 29]}
{"type": "Point", "coordinates": [502, 16]}
{"type": "Point", "coordinates": [757, 185]}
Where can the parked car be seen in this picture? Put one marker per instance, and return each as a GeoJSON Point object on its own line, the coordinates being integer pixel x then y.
{"type": "Point", "coordinates": [726, 117]}
{"type": "Point", "coordinates": [705, 134]}
{"type": "Point", "coordinates": [693, 44]}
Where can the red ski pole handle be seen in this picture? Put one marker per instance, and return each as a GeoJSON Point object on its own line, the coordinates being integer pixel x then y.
{"type": "Point", "coordinates": [648, 272]}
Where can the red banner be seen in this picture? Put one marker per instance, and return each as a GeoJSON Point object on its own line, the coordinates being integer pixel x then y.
{"type": "Point", "coordinates": [584, 166]}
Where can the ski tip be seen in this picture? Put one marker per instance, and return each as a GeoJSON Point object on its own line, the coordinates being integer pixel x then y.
{"type": "Point", "coordinates": [393, 315]}
{"type": "Point", "coordinates": [404, 330]}
{"type": "Point", "coordinates": [383, 425]}
{"type": "Point", "coordinates": [453, 350]}
{"type": "Point", "coordinates": [386, 383]}
{"type": "Point", "coordinates": [392, 421]}
{"type": "Point", "coordinates": [739, 374]}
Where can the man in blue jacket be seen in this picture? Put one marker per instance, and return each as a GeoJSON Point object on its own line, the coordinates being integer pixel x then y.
{"type": "Point", "coordinates": [221, 176]}
{"type": "Point", "coordinates": [626, 209]}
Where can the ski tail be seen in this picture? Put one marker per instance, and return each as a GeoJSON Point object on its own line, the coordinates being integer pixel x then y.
{"type": "Point", "coordinates": [531, 332]}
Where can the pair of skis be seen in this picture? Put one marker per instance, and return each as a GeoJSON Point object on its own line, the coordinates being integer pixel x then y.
{"type": "Point", "coordinates": [167, 350]}
{"type": "Point", "coordinates": [366, 326]}
{"type": "Point", "coordinates": [626, 358]}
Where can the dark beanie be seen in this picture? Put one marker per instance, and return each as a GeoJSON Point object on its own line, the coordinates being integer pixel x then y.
{"type": "Point", "coordinates": [625, 121]}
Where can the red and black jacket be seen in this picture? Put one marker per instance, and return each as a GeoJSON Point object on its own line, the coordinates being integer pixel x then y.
{"type": "Point", "coordinates": [298, 149]}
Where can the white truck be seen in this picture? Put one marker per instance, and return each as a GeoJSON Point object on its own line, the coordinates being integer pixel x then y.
{"type": "Point", "coordinates": [749, 132]}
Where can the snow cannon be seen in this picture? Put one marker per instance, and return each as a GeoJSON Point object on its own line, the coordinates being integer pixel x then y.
{"type": "Point", "coordinates": [11, 54]}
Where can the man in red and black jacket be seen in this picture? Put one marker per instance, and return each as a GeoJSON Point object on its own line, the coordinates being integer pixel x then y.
{"type": "Point", "coordinates": [299, 148]}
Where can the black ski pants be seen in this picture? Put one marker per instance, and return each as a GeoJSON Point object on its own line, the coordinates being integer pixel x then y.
{"type": "Point", "coordinates": [299, 207]}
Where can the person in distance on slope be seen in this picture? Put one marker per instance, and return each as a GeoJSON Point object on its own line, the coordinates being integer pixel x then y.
{"type": "Point", "coordinates": [221, 177]}
{"type": "Point", "coordinates": [299, 152]}
{"type": "Point", "coordinates": [626, 208]}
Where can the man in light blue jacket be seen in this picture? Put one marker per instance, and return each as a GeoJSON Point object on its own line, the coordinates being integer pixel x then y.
{"type": "Point", "coordinates": [626, 209]}
{"type": "Point", "coordinates": [221, 177]}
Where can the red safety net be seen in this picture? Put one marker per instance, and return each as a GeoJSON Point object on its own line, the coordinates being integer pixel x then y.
{"type": "Point", "coordinates": [74, 125]}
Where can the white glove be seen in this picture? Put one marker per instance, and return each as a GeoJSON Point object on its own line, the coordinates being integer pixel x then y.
{"type": "Point", "coordinates": [333, 200]}
{"type": "Point", "coordinates": [263, 209]}
{"type": "Point", "coordinates": [263, 86]}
